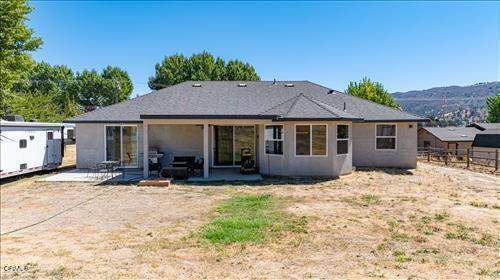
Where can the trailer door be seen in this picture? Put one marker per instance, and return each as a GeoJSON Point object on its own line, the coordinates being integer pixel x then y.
{"type": "Point", "coordinates": [51, 151]}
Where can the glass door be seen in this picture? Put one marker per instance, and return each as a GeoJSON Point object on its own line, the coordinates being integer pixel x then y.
{"type": "Point", "coordinates": [129, 146]}
{"type": "Point", "coordinates": [228, 142]}
{"type": "Point", "coordinates": [223, 154]}
{"type": "Point", "coordinates": [121, 145]}
{"type": "Point", "coordinates": [244, 138]}
{"type": "Point", "coordinates": [113, 142]}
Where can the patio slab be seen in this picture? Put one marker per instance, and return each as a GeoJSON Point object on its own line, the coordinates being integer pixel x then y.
{"type": "Point", "coordinates": [82, 175]}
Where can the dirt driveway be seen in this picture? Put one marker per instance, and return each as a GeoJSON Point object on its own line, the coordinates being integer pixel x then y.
{"type": "Point", "coordinates": [432, 222]}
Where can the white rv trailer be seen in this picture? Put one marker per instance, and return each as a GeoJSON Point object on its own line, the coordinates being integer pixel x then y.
{"type": "Point", "coordinates": [30, 146]}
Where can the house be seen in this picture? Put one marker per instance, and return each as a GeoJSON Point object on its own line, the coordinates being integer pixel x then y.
{"type": "Point", "coordinates": [293, 128]}
{"type": "Point", "coordinates": [30, 146]}
{"type": "Point", "coordinates": [484, 126]}
{"type": "Point", "coordinates": [486, 146]}
{"type": "Point", "coordinates": [453, 139]}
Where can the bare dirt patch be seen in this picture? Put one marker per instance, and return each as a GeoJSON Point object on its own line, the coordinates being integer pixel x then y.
{"type": "Point", "coordinates": [432, 222]}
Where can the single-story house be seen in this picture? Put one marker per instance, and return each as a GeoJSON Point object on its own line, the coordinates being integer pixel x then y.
{"type": "Point", "coordinates": [486, 145]}
{"type": "Point", "coordinates": [484, 126]}
{"type": "Point", "coordinates": [454, 139]}
{"type": "Point", "coordinates": [293, 128]}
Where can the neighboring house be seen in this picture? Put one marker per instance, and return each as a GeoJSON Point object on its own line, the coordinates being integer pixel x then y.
{"type": "Point", "coordinates": [454, 139]}
{"type": "Point", "coordinates": [486, 145]}
{"type": "Point", "coordinates": [484, 126]}
{"type": "Point", "coordinates": [293, 128]}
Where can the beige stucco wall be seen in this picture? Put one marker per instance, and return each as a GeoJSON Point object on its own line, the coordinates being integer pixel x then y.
{"type": "Point", "coordinates": [176, 140]}
{"type": "Point", "coordinates": [90, 143]}
{"type": "Point", "coordinates": [424, 135]}
{"type": "Point", "coordinates": [365, 154]}
{"type": "Point", "coordinates": [288, 164]}
{"type": "Point", "coordinates": [186, 138]}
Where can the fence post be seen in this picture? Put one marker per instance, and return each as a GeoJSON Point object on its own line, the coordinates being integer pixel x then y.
{"type": "Point", "coordinates": [428, 155]}
{"type": "Point", "coordinates": [446, 157]}
{"type": "Point", "coordinates": [496, 160]}
{"type": "Point", "coordinates": [468, 157]}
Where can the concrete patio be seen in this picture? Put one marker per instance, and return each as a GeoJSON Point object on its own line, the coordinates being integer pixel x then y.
{"type": "Point", "coordinates": [133, 175]}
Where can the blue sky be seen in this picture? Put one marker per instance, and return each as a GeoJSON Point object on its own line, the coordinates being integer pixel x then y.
{"type": "Point", "coordinates": [404, 45]}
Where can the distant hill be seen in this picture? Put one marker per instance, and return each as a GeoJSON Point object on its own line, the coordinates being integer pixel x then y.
{"type": "Point", "coordinates": [453, 105]}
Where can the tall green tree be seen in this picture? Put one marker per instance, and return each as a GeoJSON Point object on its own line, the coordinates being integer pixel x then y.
{"type": "Point", "coordinates": [16, 43]}
{"type": "Point", "coordinates": [373, 91]}
{"type": "Point", "coordinates": [123, 86]}
{"type": "Point", "coordinates": [493, 104]}
{"type": "Point", "coordinates": [203, 67]}
{"type": "Point", "coordinates": [93, 89]}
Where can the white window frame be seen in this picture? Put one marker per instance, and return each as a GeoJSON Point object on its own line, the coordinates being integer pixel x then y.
{"type": "Point", "coordinates": [395, 137]}
{"type": "Point", "coordinates": [121, 143]}
{"type": "Point", "coordinates": [310, 139]}
{"type": "Point", "coordinates": [348, 137]}
{"type": "Point", "coordinates": [282, 139]}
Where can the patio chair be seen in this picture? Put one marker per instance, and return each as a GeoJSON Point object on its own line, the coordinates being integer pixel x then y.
{"type": "Point", "coordinates": [196, 165]}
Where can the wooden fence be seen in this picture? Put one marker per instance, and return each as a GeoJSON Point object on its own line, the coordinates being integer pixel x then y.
{"type": "Point", "coordinates": [468, 157]}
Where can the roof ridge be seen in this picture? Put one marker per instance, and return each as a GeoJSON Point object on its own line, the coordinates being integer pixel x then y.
{"type": "Point", "coordinates": [321, 106]}
{"type": "Point", "coordinates": [279, 104]}
{"type": "Point", "coordinates": [294, 103]}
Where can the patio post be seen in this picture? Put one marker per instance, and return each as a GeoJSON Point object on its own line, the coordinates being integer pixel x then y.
{"type": "Point", "coordinates": [145, 149]}
{"type": "Point", "coordinates": [205, 150]}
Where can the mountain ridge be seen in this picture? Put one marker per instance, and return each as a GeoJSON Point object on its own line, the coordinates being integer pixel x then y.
{"type": "Point", "coordinates": [450, 105]}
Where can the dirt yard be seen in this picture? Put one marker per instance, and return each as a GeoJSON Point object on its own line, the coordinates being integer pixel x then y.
{"type": "Point", "coordinates": [428, 223]}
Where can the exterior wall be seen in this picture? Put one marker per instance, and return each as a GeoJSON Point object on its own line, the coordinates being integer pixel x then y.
{"type": "Point", "coordinates": [424, 135]}
{"type": "Point", "coordinates": [176, 140]}
{"type": "Point", "coordinates": [90, 143]}
{"type": "Point", "coordinates": [365, 154]}
{"type": "Point", "coordinates": [288, 164]}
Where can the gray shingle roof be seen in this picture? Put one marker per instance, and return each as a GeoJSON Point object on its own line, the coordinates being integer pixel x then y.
{"type": "Point", "coordinates": [454, 134]}
{"type": "Point", "coordinates": [485, 126]}
{"type": "Point", "coordinates": [258, 99]}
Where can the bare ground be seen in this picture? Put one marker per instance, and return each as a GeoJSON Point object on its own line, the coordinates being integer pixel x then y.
{"type": "Point", "coordinates": [432, 222]}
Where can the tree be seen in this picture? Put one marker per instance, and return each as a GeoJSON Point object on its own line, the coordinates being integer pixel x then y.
{"type": "Point", "coordinates": [203, 67]}
{"type": "Point", "coordinates": [493, 104]}
{"type": "Point", "coordinates": [97, 90]}
{"type": "Point", "coordinates": [123, 84]}
{"type": "Point", "coordinates": [373, 91]}
{"type": "Point", "coordinates": [16, 43]}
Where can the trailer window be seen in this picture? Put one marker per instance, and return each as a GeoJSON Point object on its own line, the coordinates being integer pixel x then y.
{"type": "Point", "coordinates": [23, 143]}
{"type": "Point", "coordinates": [23, 166]}
{"type": "Point", "coordinates": [50, 135]}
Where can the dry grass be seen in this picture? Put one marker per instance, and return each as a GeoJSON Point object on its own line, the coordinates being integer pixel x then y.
{"type": "Point", "coordinates": [432, 222]}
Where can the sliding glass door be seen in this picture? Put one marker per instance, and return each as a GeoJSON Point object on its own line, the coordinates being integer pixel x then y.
{"type": "Point", "coordinates": [229, 141]}
{"type": "Point", "coordinates": [121, 145]}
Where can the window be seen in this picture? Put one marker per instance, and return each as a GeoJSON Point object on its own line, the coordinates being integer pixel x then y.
{"type": "Point", "coordinates": [50, 135]}
{"type": "Point", "coordinates": [274, 139]}
{"type": "Point", "coordinates": [310, 140]}
{"type": "Point", "coordinates": [342, 139]}
{"type": "Point", "coordinates": [23, 143]}
{"type": "Point", "coordinates": [385, 137]}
